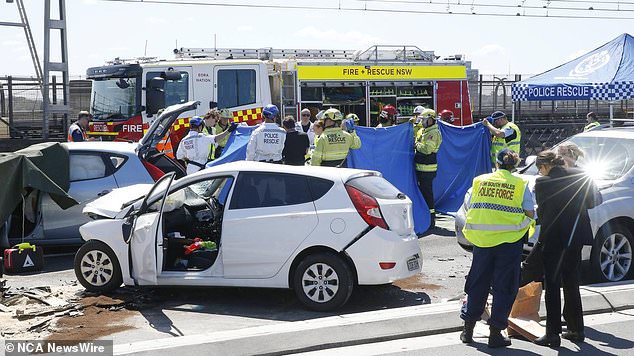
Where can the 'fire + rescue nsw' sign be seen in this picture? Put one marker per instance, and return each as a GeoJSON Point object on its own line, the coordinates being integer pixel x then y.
{"type": "Point", "coordinates": [381, 72]}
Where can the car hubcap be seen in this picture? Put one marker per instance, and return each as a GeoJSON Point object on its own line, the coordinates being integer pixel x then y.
{"type": "Point", "coordinates": [96, 268]}
{"type": "Point", "coordinates": [616, 257]}
{"type": "Point", "coordinates": [320, 282]}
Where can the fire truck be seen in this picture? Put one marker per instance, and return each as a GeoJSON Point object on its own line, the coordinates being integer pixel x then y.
{"type": "Point", "coordinates": [127, 94]}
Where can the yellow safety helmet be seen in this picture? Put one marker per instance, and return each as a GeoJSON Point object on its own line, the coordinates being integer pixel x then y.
{"type": "Point", "coordinates": [226, 114]}
{"type": "Point", "coordinates": [352, 116]}
{"type": "Point", "coordinates": [428, 114]}
{"type": "Point", "coordinates": [333, 114]}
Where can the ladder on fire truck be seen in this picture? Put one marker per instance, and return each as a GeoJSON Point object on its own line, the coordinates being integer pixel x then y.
{"type": "Point", "coordinates": [376, 53]}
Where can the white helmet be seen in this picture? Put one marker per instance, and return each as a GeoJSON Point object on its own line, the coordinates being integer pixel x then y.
{"type": "Point", "coordinates": [418, 110]}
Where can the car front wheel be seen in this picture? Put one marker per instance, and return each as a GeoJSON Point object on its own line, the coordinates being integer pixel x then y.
{"type": "Point", "coordinates": [323, 282]}
{"type": "Point", "coordinates": [97, 268]}
{"type": "Point", "coordinates": [612, 254]}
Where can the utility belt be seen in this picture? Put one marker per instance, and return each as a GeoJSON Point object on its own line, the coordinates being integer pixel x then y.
{"type": "Point", "coordinates": [338, 163]}
{"type": "Point", "coordinates": [420, 158]}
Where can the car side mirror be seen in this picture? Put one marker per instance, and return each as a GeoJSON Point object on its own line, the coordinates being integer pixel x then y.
{"type": "Point", "coordinates": [213, 104]}
{"type": "Point", "coordinates": [155, 95]}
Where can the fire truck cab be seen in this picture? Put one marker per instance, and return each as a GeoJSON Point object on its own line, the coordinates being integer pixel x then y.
{"type": "Point", "coordinates": [126, 96]}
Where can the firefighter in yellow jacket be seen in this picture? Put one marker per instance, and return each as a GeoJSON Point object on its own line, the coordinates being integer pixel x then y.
{"type": "Point", "coordinates": [226, 118]}
{"type": "Point", "coordinates": [332, 147]}
{"type": "Point", "coordinates": [427, 144]}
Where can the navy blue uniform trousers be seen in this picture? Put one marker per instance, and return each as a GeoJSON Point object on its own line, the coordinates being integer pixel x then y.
{"type": "Point", "coordinates": [498, 269]}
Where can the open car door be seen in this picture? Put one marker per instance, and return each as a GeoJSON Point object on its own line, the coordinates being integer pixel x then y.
{"type": "Point", "coordinates": [145, 246]}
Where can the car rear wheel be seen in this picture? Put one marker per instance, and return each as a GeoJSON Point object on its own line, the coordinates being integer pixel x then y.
{"type": "Point", "coordinates": [612, 254]}
{"type": "Point", "coordinates": [97, 268]}
{"type": "Point", "coordinates": [323, 282]}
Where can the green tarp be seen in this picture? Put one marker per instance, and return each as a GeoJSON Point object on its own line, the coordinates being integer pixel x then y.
{"type": "Point", "coordinates": [43, 167]}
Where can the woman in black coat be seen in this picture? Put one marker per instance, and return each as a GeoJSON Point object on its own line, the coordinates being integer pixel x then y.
{"type": "Point", "coordinates": [563, 196]}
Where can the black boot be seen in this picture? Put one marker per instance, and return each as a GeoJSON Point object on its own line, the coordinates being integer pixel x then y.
{"type": "Point", "coordinates": [496, 339]}
{"type": "Point", "coordinates": [466, 336]}
{"type": "Point", "coordinates": [550, 340]}
{"type": "Point", "coordinates": [574, 336]}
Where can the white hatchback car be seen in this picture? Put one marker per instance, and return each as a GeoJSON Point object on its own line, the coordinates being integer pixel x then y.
{"type": "Point", "coordinates": [317, 230]}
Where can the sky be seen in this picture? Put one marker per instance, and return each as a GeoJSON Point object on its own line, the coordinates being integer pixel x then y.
{"type": "Point", "coordinates": [101, 30]}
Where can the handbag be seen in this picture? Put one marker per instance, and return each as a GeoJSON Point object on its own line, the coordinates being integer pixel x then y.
{"type": "Point", "coordinates": [533, 266]}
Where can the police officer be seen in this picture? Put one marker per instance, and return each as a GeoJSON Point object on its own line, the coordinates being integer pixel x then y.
{"type": "Point", "coordinates": [592, 122]}
{"type": "Point", "coordinates": [194, 148]}
{"type": "Point", "coordinates": [77, 131]}
{"type": "Point", "coordinates": [387, 117]}
{"type": "Point", "coordinates": [267, 141]}
{"type": "Point", "coordinates": [426, 146]}
{"type": "Point", "coordinates": [223, 124]}
{"type": "Point", "coordinates": [505, 134]}
{"type": "Point", "coordinates": [500, 213]}
{"type": "Point", "coordinates": [331, 149]}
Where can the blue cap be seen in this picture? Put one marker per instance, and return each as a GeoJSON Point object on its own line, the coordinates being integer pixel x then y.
{"type": "Point", "coordinates": [196, 121]}
{"type": "Point", "coordinates": [498, 115]}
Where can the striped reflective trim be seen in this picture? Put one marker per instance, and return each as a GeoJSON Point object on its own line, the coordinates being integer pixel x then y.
{"type": "Point", "coordinates": [499, 207]}
{"type": "Point", "coordinates": [500, 227]}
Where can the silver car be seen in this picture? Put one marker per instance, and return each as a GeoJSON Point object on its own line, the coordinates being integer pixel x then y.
{"type": "Point", "coordinates": [609, 157]}
{"type": "Point", "coordinates": [96, 168]}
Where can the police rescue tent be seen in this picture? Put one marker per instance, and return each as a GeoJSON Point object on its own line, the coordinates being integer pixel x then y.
{"type": "Point", "coordinates": [606, 73]}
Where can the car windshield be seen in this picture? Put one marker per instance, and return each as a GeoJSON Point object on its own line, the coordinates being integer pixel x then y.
{"type": "Point", "coordinates": [605, 158]}
{"type": "Point", "coordinates": [216, 188]}
{"type": "Point", "coordinates": [113, 99]}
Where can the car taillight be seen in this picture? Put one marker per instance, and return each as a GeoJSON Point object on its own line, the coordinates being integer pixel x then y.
{"type": "Point", "coordinates": [154, 171]}
{"type": "Point", "coordinates": [367, 207]}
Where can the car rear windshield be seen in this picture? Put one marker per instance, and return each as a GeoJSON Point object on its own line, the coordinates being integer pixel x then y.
{"type": "Point", "coordinates": [375, 186]}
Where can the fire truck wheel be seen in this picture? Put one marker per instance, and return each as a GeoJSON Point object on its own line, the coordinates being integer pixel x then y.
{"type": "Point", "coordinates": [97, 267]}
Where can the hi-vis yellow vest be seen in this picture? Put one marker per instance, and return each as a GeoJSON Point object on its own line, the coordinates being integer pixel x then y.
{"type": "Point", "coordinates": [212, 147]}
{"type": "Point", "coordinates": [499, 143]}
{"type": "Point", "coordinates": [495, 214]}
{"type": "Point", "coordinates": [591, 125]}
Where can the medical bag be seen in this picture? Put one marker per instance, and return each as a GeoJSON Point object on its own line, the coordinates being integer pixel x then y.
{"type": "Point", "coordinates": [23, 257]}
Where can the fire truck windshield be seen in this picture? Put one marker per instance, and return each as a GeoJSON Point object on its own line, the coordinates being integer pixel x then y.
{"type": "Point", "coordinates": [114, 99]}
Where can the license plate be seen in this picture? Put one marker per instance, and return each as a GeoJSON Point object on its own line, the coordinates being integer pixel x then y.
{"type": "Point", "coordinates": [412, 264]}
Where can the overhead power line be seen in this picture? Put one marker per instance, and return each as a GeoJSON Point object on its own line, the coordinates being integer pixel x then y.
{"type": "Point", "coordinates": [451, 8]}
{"type": "Point", "coordinates": [501, 6]}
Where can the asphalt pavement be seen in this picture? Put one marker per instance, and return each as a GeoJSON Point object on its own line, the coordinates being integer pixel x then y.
{"type": "Point", "coordinates": [185, 311]}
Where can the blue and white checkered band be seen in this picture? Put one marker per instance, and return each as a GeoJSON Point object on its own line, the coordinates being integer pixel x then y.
{"type": "Point", "coordinates": [599, 91]}
{"type": "Point", "coordinates": [504, 208]}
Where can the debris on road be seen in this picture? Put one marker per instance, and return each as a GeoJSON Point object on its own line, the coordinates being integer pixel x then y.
{"type": "Point", "coordinates": [416, 282]}
{"type": "Point", "coordinates": [64, 313]}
